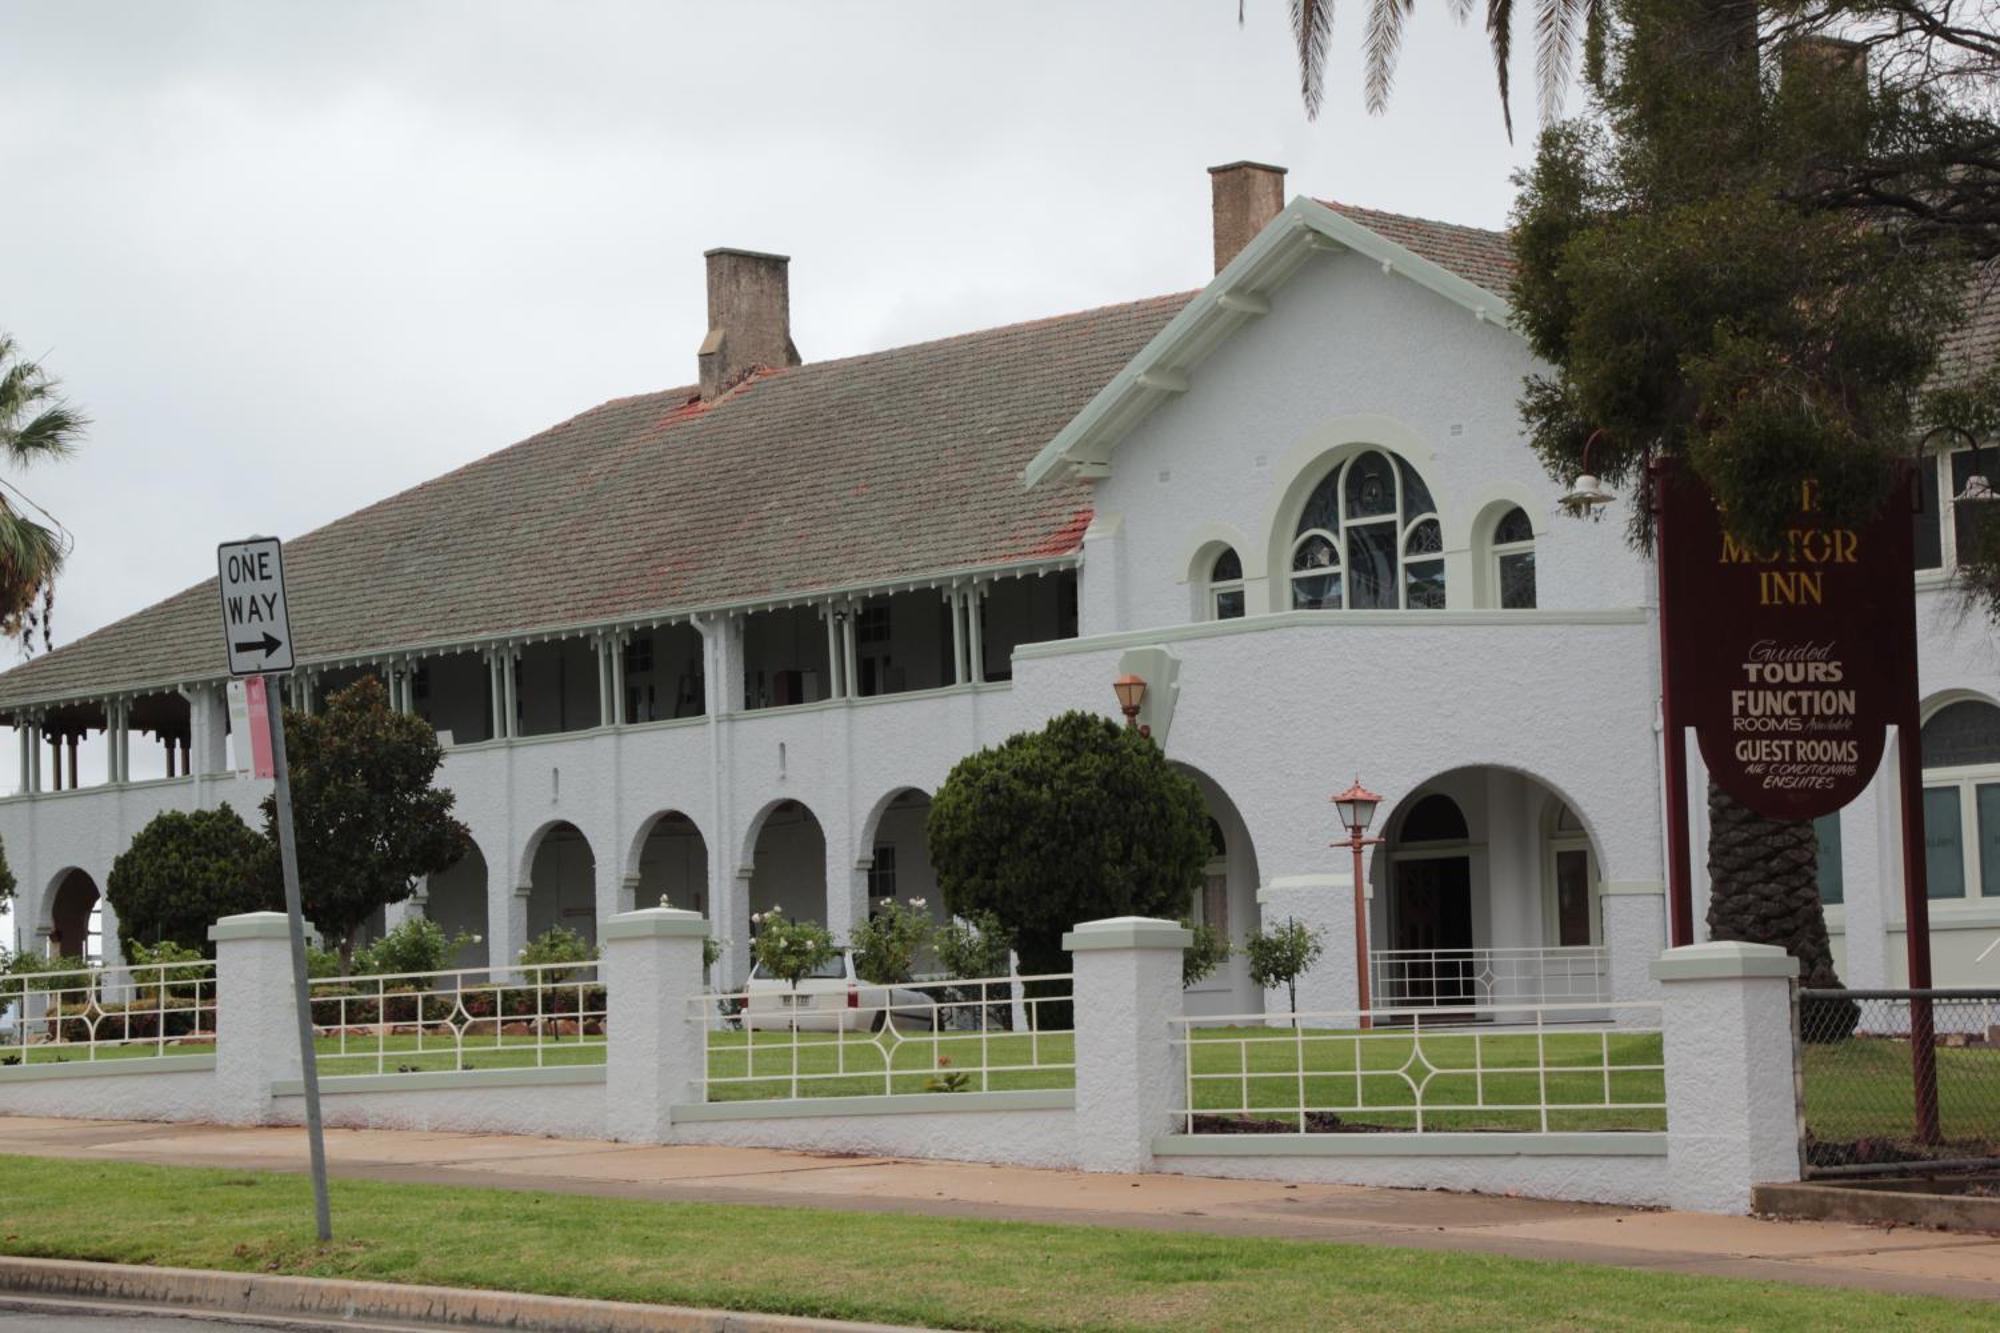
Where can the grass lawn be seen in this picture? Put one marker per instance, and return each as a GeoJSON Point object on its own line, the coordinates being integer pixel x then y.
{"type": "Point", "coordinates": [947, 1273]}
{"type": "Point", "coordinates": [1861, 1088]}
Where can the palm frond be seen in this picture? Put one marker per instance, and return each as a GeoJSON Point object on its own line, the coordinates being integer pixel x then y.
{"type": "Point", "coordinates": [1460, 10]}
{"type": "Point", "coordinates": [1312, 27]}
{"type": "Point", "coordinates": [35, 422]}
{"type": "Point", "coordinates": [1558, 25]}
{"type": "Point", "coordinates": [1500, 36]}
{"type": "Point", "coordinates": [1383, 42]}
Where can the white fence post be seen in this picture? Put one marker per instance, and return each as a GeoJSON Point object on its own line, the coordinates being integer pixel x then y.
{"type": "Point", "coordinates": [655, 1045]}
{"type": "Point", "coordinates": [1732, 1102]}
{"type": "Point", "coordinates": [256, 1033]}
{"type": "Point", "coordinates": [1129, 1080]}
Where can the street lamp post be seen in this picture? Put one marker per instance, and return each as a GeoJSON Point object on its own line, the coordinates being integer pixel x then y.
{"type": "Point", "coordinates": [1356, 807]}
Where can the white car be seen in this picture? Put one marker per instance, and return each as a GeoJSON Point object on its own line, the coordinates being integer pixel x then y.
{"type": "Point", "coordinates": [833, 999]}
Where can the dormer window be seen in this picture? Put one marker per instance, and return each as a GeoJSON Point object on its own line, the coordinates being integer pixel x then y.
{"type": "Point", "coordinates": [1369, 539]}
{"type": "Point", "coordinates": [1225, 586]}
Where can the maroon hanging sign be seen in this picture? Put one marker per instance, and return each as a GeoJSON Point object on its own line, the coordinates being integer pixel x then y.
{"type": "Point", "coordinates": [1790, 663]}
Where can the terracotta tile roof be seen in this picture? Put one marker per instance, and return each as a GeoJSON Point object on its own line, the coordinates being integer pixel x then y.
{"type": "Point", "coordinates": [861, 470]}
{"type": "Point", "coordinates": [1473, 253]}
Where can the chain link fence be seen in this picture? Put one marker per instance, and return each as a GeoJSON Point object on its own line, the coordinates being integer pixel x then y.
{"type": "Point", "coordinates": [1863, 1055]}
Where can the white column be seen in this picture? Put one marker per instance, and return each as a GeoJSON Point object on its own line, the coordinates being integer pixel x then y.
{"type": "Point", "coordinates": [35, 757]}
{"type": "Point", "coordinates": [836, 685]}
{"type": "Point", "coordinates": [656, 1039]}
{"type": "Point", "coordinates": [256, 1024]}
{"type": "Point", "coordinates": [1635, 930]}
{"type": "Point", "coordinates": [1323, 902]}
{"type": "Point", "coordinates": [957, 606]}
{"type": "Point", "coordinates": [603, 645]}
{"type": "Point", "coordinates": [851, 668]}
{"type": "Point", "coordinates": [496, 688]}
{"type": "Point", "coordinates": [1129, 1072]}
{"type": "Point", "coordinates": [125, 739]}
{"type": "Point", "coordinates": [1732, 1093]}
{"type": "Point", "coordinates": [975, 634]}
{"type": "Point", "coordinates": [618, 643]}
{"type": "Point", "coordinates": [24, 736]}
{"type": "Point", "coordinates": [510, 691]}
{"type": "Point", "coordinates": [111, 741]}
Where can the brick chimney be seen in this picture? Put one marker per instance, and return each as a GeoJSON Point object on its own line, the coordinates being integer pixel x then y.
{"type": "Point", "coordinates": [1247, 196]}
{"type": "Point", "coordinates": [749, 318]}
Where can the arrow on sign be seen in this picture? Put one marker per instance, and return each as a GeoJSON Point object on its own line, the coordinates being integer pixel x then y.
{"type": "Point", "coordinates": [270, 643]}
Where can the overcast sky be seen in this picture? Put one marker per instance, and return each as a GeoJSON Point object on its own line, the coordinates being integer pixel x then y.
{"type": "Point", "coordinates": [292, 258]}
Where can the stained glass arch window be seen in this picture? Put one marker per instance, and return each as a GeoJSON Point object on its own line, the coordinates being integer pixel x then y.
{"type": "Point", "coordinates": [1368, 538]}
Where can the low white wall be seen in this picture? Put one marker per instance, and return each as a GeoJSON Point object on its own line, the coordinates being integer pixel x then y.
{"type": "Point", "coordinates": [561, 1102]}
{"type": "Point", "coordinates": [1628, 1169]}
{"type": "Point", "coordinates": [171, 1087]}
{"type": "Point", "coordinates": [1002, 1128]}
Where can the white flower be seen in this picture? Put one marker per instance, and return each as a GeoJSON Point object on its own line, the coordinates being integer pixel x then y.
{"type": "Point", "coordinates": [479, 939]}
{"type": "Point", "coordinates": [916, 902]}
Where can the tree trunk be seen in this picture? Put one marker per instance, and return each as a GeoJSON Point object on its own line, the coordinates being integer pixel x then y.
{"type": "Point", "coordinates": [1763, 879]}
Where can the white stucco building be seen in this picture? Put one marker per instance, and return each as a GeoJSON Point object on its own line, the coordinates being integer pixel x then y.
{"type": "Point", "coordinates": [720, 643]}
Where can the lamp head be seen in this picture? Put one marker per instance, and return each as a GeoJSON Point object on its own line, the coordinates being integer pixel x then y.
{"type": "Point", "coordinates": [1356, 807]}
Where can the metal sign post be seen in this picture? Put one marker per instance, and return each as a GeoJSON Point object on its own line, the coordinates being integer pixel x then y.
{"type": "Point", "coordinates": [257, 637]}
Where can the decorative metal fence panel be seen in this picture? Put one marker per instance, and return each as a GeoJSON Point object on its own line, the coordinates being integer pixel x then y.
{"type": "Point", "coordinates": [1465, 1069]}
{"type": "Point", "coordinates": [105, 1013]}
{"type": "Point", "coordinates": [1864, 1055]}
{"type": "Point", "coordinates": [1404, 977]}
{"type": "Point", "coordinates": [835, 1038]}
{"type": "Point", "coordinates": [472, 1018]}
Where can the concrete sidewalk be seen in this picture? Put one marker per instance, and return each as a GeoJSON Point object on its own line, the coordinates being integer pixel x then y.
{"type": "Point", "coordinates": [1826, 1253]}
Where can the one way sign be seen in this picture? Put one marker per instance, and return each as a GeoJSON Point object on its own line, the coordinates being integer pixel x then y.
{"type": "Point", "coordinates": [255, 629]}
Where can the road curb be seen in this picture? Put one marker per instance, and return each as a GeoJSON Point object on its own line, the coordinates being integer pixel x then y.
{"type": "Point", "coordinates": [338, 1301]}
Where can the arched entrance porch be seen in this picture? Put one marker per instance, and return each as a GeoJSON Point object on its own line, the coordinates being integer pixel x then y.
{"type": "Point", "coordinates": [1226, 900]}
{"type": "Point", "coordinates": [1486, 891]}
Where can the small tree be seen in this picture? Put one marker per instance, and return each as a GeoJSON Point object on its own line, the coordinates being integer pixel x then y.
{"type": "Point", "coordinates": [1080, 820]}
{"type": "Point", "coordinates": [7, 884]}
{"type": "Point", "coordinates": [369, 822]}
{"type": "Point", "coordinates": [1209, 951]}
{"type": "Point", "coordinates": [974, 947]}
{"type": "Point", "coordinates": [184, 871]}
{"type": "Point", "coordinates": [417, 945]}
{"type": "Point", "coordinates": [886, 945]}
{"type": "Point", "coordinates": [790, 950]}
{"type": "Point", "coordinates": [1282, 956]}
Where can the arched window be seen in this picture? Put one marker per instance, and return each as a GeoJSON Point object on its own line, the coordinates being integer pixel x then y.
{"type": "Point", "coordinates": [1369, 538]}
{"type": "Point", "coordinates": [1961, 749]}
{"type": "Point", "coordinates": [1436, 818]}
{"type": "Point", "coordinates": [1514, 560]}
{"type": "Point", "coordinates": [1225, 585]}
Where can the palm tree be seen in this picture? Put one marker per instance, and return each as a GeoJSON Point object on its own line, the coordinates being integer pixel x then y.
{"type": "Point", "coordinates": [35, 425]}
{"type": "Point", "coordinates": [1562, 28]}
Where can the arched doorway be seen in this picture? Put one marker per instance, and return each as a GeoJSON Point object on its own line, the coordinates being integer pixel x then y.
{"type": "Point", "coordinates": [562, 883]}
{"type": "Point", "coordinates": [76, 917]}
{"type": "Point", "coordinates": [672, 864]}
{"type": "Point", "coordinates": [788, 863]}
{"type": "Point", "coordinates": [456, 900]}
{"type": "Point", "coordinates": [1430, 902]}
